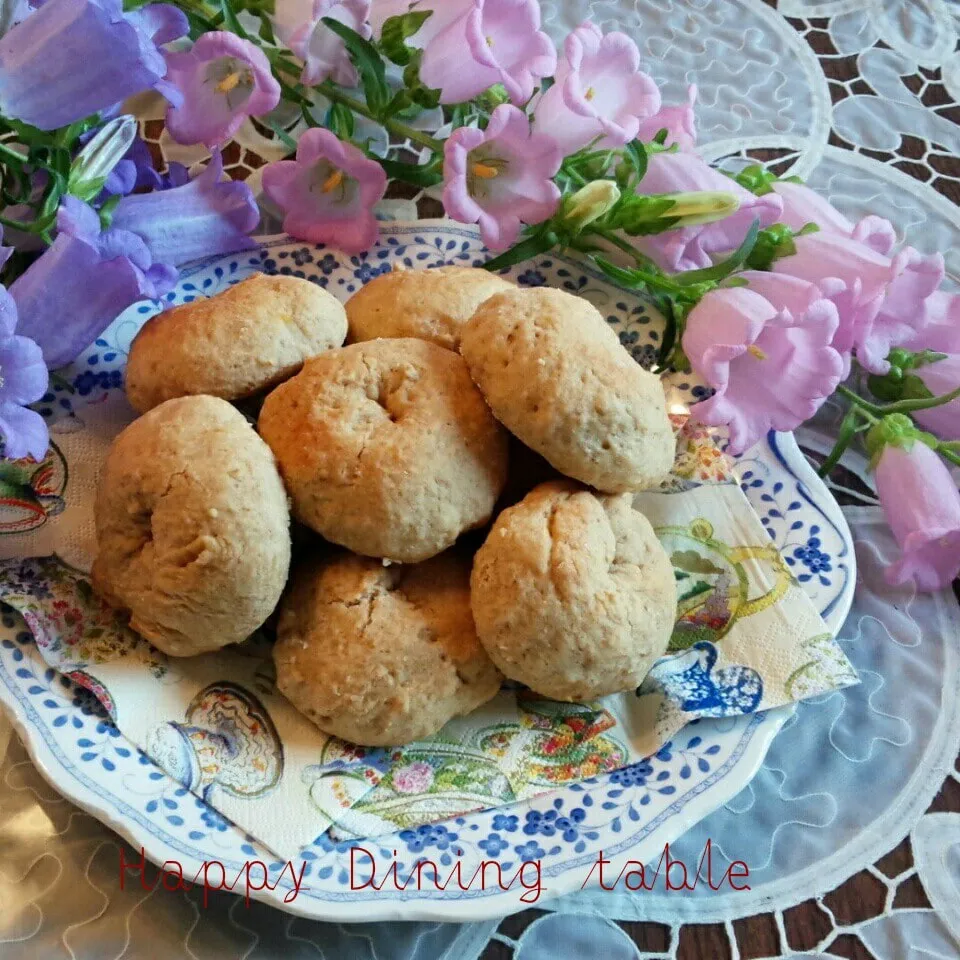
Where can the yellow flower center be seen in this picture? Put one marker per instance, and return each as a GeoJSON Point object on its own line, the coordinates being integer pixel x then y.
{"type": "Point", "coordinates": [230, 82]}
{"type": "Point", "coordinates": [590, 94]}
{"type": "Point", "coordinates": [333, 181]}
{"type": "Point", "coordinates": [489, 41]}
{"type": "Point", "coordinates": [485, 171]}
{"type": "Point", "coordinates": [755, 351]}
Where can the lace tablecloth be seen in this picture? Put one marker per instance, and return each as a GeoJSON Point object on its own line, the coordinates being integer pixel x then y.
{"type": "Point", "coordinates": [852, 827]}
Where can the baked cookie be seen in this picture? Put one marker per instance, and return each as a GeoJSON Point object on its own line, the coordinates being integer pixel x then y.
{"type": "Point", "coordinates": [247, 339]}
{"type": "Point", "coordinates": [387, 448]}
{"type": "Point", "coordinates": [572, 593]}
{"type": "Point", "coordinates": [192, 527]}
{"type": "Point", "coordinates": [556, 375]}
{"type": "Point", "coordinates": [382, 656]}
{"type": "Point", "coordinates": [429, 304]}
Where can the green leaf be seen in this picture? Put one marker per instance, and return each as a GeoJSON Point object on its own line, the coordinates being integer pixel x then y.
{"type": "Point", "coordinates": [397, 30]}
{"type": "Point", "coordinates": [340, 120]}
{"type": "Point", "coordinates": [230, 20]}
{"type": "Point", "coordinates": [638, 157]}
{"type": "Point", "coordinates": [536, 244]}
{"type": "Point", "coordinates": [282, 134]}
{"type": "Point", "coordinates": [426, 97]}
{"type": "Point", "coordinates": [774, 242]}
{"type": "Point", "coordinates": [106, 211]}
{"type": "Point", "coordinates": [368, 62]}
{"type": "Point", "coordinates": [426, 175]}
{"type": "Point", "coordinates": [266, 30]}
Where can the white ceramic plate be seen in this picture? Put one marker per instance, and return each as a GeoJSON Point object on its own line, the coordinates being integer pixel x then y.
{"type": "Point", "coordinates": [629, 814]}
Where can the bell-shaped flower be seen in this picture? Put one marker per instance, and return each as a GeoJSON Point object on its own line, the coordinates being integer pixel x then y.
{"type": "Point", "coordinates": [770, 369]}
{"type": "Point", "coordinates": [679, 120]}
{"type": "Point", "coordinates": [298, 23]}
{"type": "Point", "coordinates": [72, 58]}
{"type": "Point", "coordinates": [208, 215]}
{"type": "Point", "coordinates": [494, 41]}
{"type": "Point", "coordinates": [67, 297]}
{"type": "Point", "coordinates": [501, 177]}
{"type": "Point", "coordinates": [921, 503]}
{"type": "Point", "coordinates": [223, 79]}
{"type": "Point", "coordinates": [691, 247]}
{"type": "Point", "coordinates": [599, 92]}
{"type": "Point", "coordinates": [328, 192]}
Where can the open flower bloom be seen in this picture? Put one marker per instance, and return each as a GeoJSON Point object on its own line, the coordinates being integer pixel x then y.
{"type": "Point", "coordinates": [801, 206]}
{"type": "Point", "coordinates": [501, 177]}
{"type": "Point", "coordinates": [598, 92]}
{"type": "Point", "coordinates": [921, 504]}
{"type": "Point", "coordinates": [72, 58]}
{"type": "Point", "coordinates": [223, 79]}
{"type": "Point", "coordinates": [941, 328]}
{"type": "Point", "coordinates": [23, 380]}
{"type": "Point", "coordinates": [324, 55]}
{"type": "Point", "coordinates": [442, 14]}
{"type": "Point", "coordinates": [940, 377]}
{"type": "Point", "coordinates": [494, 41]}
{"type": "Point", "coordinates": [678, 120]}
{"type": "Point", "coordinates": [328, 192]}
{"type": "Point", "coordinates": [770, 369]}
{"type": "Point", "coordinates": [205, 216]}
{"type": "Point", "coordinates": [67, 297]}
{"type": "Point", "coordinates": [881, 301]}
{"type": "Point", "coordinates": [690, 248]}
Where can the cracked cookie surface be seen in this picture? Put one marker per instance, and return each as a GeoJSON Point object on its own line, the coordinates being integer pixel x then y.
{"type": "Point", "coordinates": [238, 343]}
{"type": "Point", "coordinates": [192, 524]}
{"type": "Point", "coordinates": [556, 376]}
{"type": "Point", "coordinates": [387, 448]}
{"type": "Point", "coordinates": [378, 655]}
{"type": "Point", "coordinates": [429, 304]}
{"type": "Point", "coordinates": [572, 593]}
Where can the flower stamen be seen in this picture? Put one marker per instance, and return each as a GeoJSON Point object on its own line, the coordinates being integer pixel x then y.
{"type": "Point", "coordinates": [755, 351]}
{"type": "Point", "coordinates": [485, 171]}
{"type": "Point", "coordinates": [590, 94]}
{"type": "Point", "coordinates": [230, 82]}
{"type": "Point", "coordinates": [332, 182]}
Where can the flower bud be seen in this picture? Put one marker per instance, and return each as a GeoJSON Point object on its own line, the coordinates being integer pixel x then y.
{"type": "Point", "coordinates": [589, 203]}
{"type": "Point", "coordinates": [93, 164]}
{"type": "Point", "coordinates": [700, 207]}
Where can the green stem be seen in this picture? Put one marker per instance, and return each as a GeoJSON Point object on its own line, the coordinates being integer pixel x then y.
{"type": "Point", "coordinates": [950, 455]}
{"type": "Point", "coordinates": [611, 237]}
{"type": "Point", "coordinates": [33, 226]}
{"type": "Point", "coordinates": [330, 91]}
{"type": "Point", "coordinates": [12, 155]}
{"type": "Point", "coordinates": [901, 406]}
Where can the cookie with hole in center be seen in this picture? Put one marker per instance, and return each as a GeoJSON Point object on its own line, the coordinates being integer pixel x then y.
{"type": "Point", "coordinates": [572, 593]}
{"type": "Point", "coordinates": [382, 656]}
{"type": "Point", "coordinates": [387, 448]}
{"type": "Point", "coordinates": [193, 533]}
{"type": "Point", "coordinates": [556, 376]}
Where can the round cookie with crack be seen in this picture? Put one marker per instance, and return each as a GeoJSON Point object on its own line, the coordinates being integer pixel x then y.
{"type": "Point", "coordinates": [428, 304]}
{"type": "Point", "coordinates": [555, 374]}
{"type": "Point", "coordinates": [192, 523]}
{"type": "Point", "coordinates": [572, 593]}
{"type": "Point", "coordinates": [387, 448]}
{"type": "Point", "coordinates": [236, 344]}
{"type": "Point", "coordinates": [382, 656]}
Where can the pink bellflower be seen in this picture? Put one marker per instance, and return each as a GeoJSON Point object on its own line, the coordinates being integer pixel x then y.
{"type": "Point", "coordinates": [328, 192]}
{"type": "Point", "coordinates": [921, 503]}
{"type": "Point", "coordinates": [941, 329]}
{"type": "Point", "coordinates": [679, 120]}
{"type": "Point", "coordinates": [82, 282]}
{"type": "Point", "coordinates": [801, 206]}
{"type": "Point", "coordinates": [299, 24]}
{"type": "Point", "coordinates": [501, 177]}
{"type": "Point", "coordinates": [494, 41]}
{"type": "Point", "coordinates": [770, 368]}
{"type": "Point", "coordinates": [881, 300]}
{"type": "Point", "coordinates": [691, 247]}
{"type": "Point", "coordinates": [23, 379]}
{"type": "Point", "coordinates": [223, 79]}
{"type": "Point", "coordinates": [72, 58]}
{"type": "Point", "coordinates": [598, 93]}
{"type": "Point", "coordinates": [207, 215]}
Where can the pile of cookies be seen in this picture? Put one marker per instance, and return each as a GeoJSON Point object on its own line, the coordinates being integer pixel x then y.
{"type": "Point", "coordinates": [457, 394]}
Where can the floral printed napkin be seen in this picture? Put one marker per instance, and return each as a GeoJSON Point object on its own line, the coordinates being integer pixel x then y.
{"type": "Point", "coordinates": [747, 639]}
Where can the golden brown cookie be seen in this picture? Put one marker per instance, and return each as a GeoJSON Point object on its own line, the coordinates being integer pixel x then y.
{"type": "Point", "coordinates": [387, 448]}
{"type": "Point", "coordinates": [192, 527]}
{"type": "Point", "coordinates": [382, 656]}
{"type": "Point", "coordinates": [556, 375]}
{"type": "Point", "coordinates": [572, 593]}
{"type": "Point", "coordinates": [251, 337]}
{"type": "Point", "coordinates": [429, 304]}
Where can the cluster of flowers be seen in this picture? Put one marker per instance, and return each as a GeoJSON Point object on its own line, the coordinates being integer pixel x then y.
{"type": "Point", "coordinates": [771, 295]}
